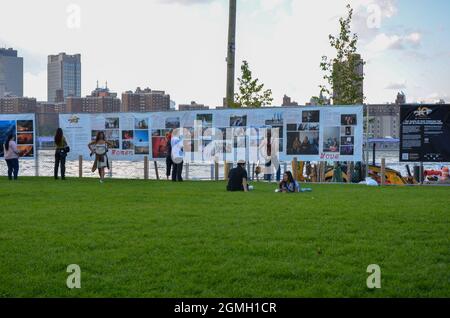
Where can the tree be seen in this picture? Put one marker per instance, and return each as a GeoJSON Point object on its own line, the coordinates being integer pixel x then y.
{"type": "Point", "coordinates": [251, 93]}
{"type": "Point", "coordinates": [342, 73]}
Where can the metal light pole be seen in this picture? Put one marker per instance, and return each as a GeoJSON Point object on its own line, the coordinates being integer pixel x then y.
{"type": "Point", "coordinates": [231, 57]}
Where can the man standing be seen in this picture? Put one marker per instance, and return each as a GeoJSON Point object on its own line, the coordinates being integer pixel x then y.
{"type": "Point", "coordinates": [177, 157]}
{"type": "Point", "coordinates": [237, 178]}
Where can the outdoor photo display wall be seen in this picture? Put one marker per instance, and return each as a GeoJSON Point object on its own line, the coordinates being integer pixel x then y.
{"type": "Point", "coordinates": [307, 133]}
{"type": "Point", "coordinates": [425, 133]}
{"type": "Point", "coordinates": [23, 128]}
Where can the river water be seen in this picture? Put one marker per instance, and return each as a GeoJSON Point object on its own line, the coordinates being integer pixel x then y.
{"type": "Point", "coordinates": [135, 169]}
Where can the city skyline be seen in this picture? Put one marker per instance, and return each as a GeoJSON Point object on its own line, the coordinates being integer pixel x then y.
{"type": "Point", "coordinates": [187, 56]}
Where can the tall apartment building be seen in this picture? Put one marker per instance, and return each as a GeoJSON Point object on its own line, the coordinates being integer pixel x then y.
{"type": "Point", "coordinates": [146, 100]}
{"type": "Point", "coordinates": [63, 77]}
{"type": "Point", "coordinates": [17, 105]}
{"type": "Point", "coordinates": [192, 106]}
{"type": "Point", "coordinates": [11, 73]}
{"type": "Point", "coordinates": [101, 100]}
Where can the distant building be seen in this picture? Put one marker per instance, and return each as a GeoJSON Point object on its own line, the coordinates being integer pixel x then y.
{"type": "Point", "coordinates": [192, 106]}
{"type": "Point", "coordinates": [384, 120]}
{"type": "Point", "coordinates": [146, 100]}
{"type": "Point", "coordinates": [47, 115]}
{"type": "Point", "coordinates": [288, 102]}
{"type": "Point", "coordinates": [359, 71]}
{"type": "Point", "coordinates": [63, 77]}
{"type": "Point", "coordinates": [316, 101]}
{"type": "Point", "coordinates": [17, 105]}
{"type": "Point", "coordinates": [401, 99]}
{"type": "Point", "coordinates": [11, 73]}
{"type": "Point", "coordinates": [101, 100]}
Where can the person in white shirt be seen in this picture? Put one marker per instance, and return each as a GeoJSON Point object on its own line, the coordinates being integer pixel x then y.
{"type": "Point", "coordinates": [177, 157]}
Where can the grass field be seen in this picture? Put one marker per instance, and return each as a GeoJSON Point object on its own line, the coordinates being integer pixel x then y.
{"type": "Point", "coordinates": [159, 239]}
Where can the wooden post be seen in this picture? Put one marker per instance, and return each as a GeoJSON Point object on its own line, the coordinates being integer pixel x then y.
{"type": "Point", "coordinates": [156, 170]}
{"type": "Point", "coordinates": [421, 178]}
{"type": "Point", "coordinates": [216, 171]}
{"type": "Point", "coordinates": [212, 172]}
{"type": "Point", "coordinates": [110, 169]}
{"type": "Point", "coordinates": [314, 173]}
{"type": "Point", "coordinates": [145, 167]}
{"type": "Point", "coordinates": [80, 166]}
{"type": "Point", "coordinates": [383, 171]}
{"type": "Point", "coordinates": [226, 170]}
{"type": "Point", "coordinates": [186, 171]}
{"type": "Point", "coordinates": [349, 171]}
{"type": "Point", "coordinates": [323, 168]}
{"type": "Point", "coordinates": [295, 168]}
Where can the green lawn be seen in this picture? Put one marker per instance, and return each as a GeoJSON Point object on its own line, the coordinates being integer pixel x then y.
{"type": "Point", "coordinates": [159, 239]}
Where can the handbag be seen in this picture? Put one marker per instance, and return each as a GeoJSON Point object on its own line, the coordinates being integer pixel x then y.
{"type": "Point", "coordinates": [66, 149]}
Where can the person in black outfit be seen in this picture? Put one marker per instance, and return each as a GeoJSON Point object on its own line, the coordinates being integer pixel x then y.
{"type": "Point", "coordinates": [60, 154]}
{"type": "Point", "coordinates": [237, 178]}
{"type": "Point", "coordinates": [169, 162]}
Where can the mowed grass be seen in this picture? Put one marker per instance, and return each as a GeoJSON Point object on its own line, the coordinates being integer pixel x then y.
{"type": "Point", "coordinates": [159, 239]}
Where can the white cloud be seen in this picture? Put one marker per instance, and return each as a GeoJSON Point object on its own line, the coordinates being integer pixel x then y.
{"type": "Point", "coordinates": [397, 85]}
{"type": "Point", "coordinates": [180, 45]}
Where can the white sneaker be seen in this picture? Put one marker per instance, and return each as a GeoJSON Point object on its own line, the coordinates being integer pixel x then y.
{"type": "Point", "coordinates": [101, 181]}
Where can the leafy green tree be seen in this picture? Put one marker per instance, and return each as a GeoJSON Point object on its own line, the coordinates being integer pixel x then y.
{"type": "Point", "coordinates": [344, 81]}
{"type": "Point", "coordinates": [251, 93]}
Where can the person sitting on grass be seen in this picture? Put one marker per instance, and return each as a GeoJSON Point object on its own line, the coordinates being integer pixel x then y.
{"type": "Point", "coordinates": [237, 178]}
{"type": "Point", "coordinates": [99, 147]}
{"type": "Point", "coordinates": [288, 184]}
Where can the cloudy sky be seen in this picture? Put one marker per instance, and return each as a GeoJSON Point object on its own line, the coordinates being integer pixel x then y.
{"type": "Point", "coordinates": [180, 45]}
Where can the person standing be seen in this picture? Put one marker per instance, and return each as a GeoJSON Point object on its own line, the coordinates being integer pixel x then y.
{"type": "Point", "coordinates": [11, 157]}
{"type": "Point", "coordinates": [177, 157]}
{"type": "Point", "coordinates": [99, 147]}
{"type": "Point", "coordinates": [169, 162]}
{"type": "Point", "coordinates": [60, 154]}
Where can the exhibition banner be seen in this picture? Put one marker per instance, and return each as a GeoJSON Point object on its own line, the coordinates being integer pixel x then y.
{"type": "Point", "coordinates": [22, 126]}
{"type": "Point", "coordinates": [332, 133]}
{"type": "Point", "coordinates": [425, 133]}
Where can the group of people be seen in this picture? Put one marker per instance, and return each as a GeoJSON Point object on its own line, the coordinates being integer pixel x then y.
{"type": "Point", "coordinates": [98, 147]}
{"type": "Point", "coordinates": [237, 177]}
{"type": "Point", "coordinates": [238, 180]}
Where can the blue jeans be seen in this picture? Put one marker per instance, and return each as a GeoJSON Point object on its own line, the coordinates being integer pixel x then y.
{"type": "Point", "coordinates": [13, 168]}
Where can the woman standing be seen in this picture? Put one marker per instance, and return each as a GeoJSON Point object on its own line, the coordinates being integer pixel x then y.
{"type": "Point", "coordinates": [60, 154]}
{"type": "Point", "coordinates": [99, 147]}
{"type": "Point", "coordinates": [11, 157]}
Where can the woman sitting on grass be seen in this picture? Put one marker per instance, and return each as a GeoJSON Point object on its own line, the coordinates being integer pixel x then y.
{"type": "Point", "coordinates": [99, 147]}
{"type": "Point", "coordinates": [288, 184]}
